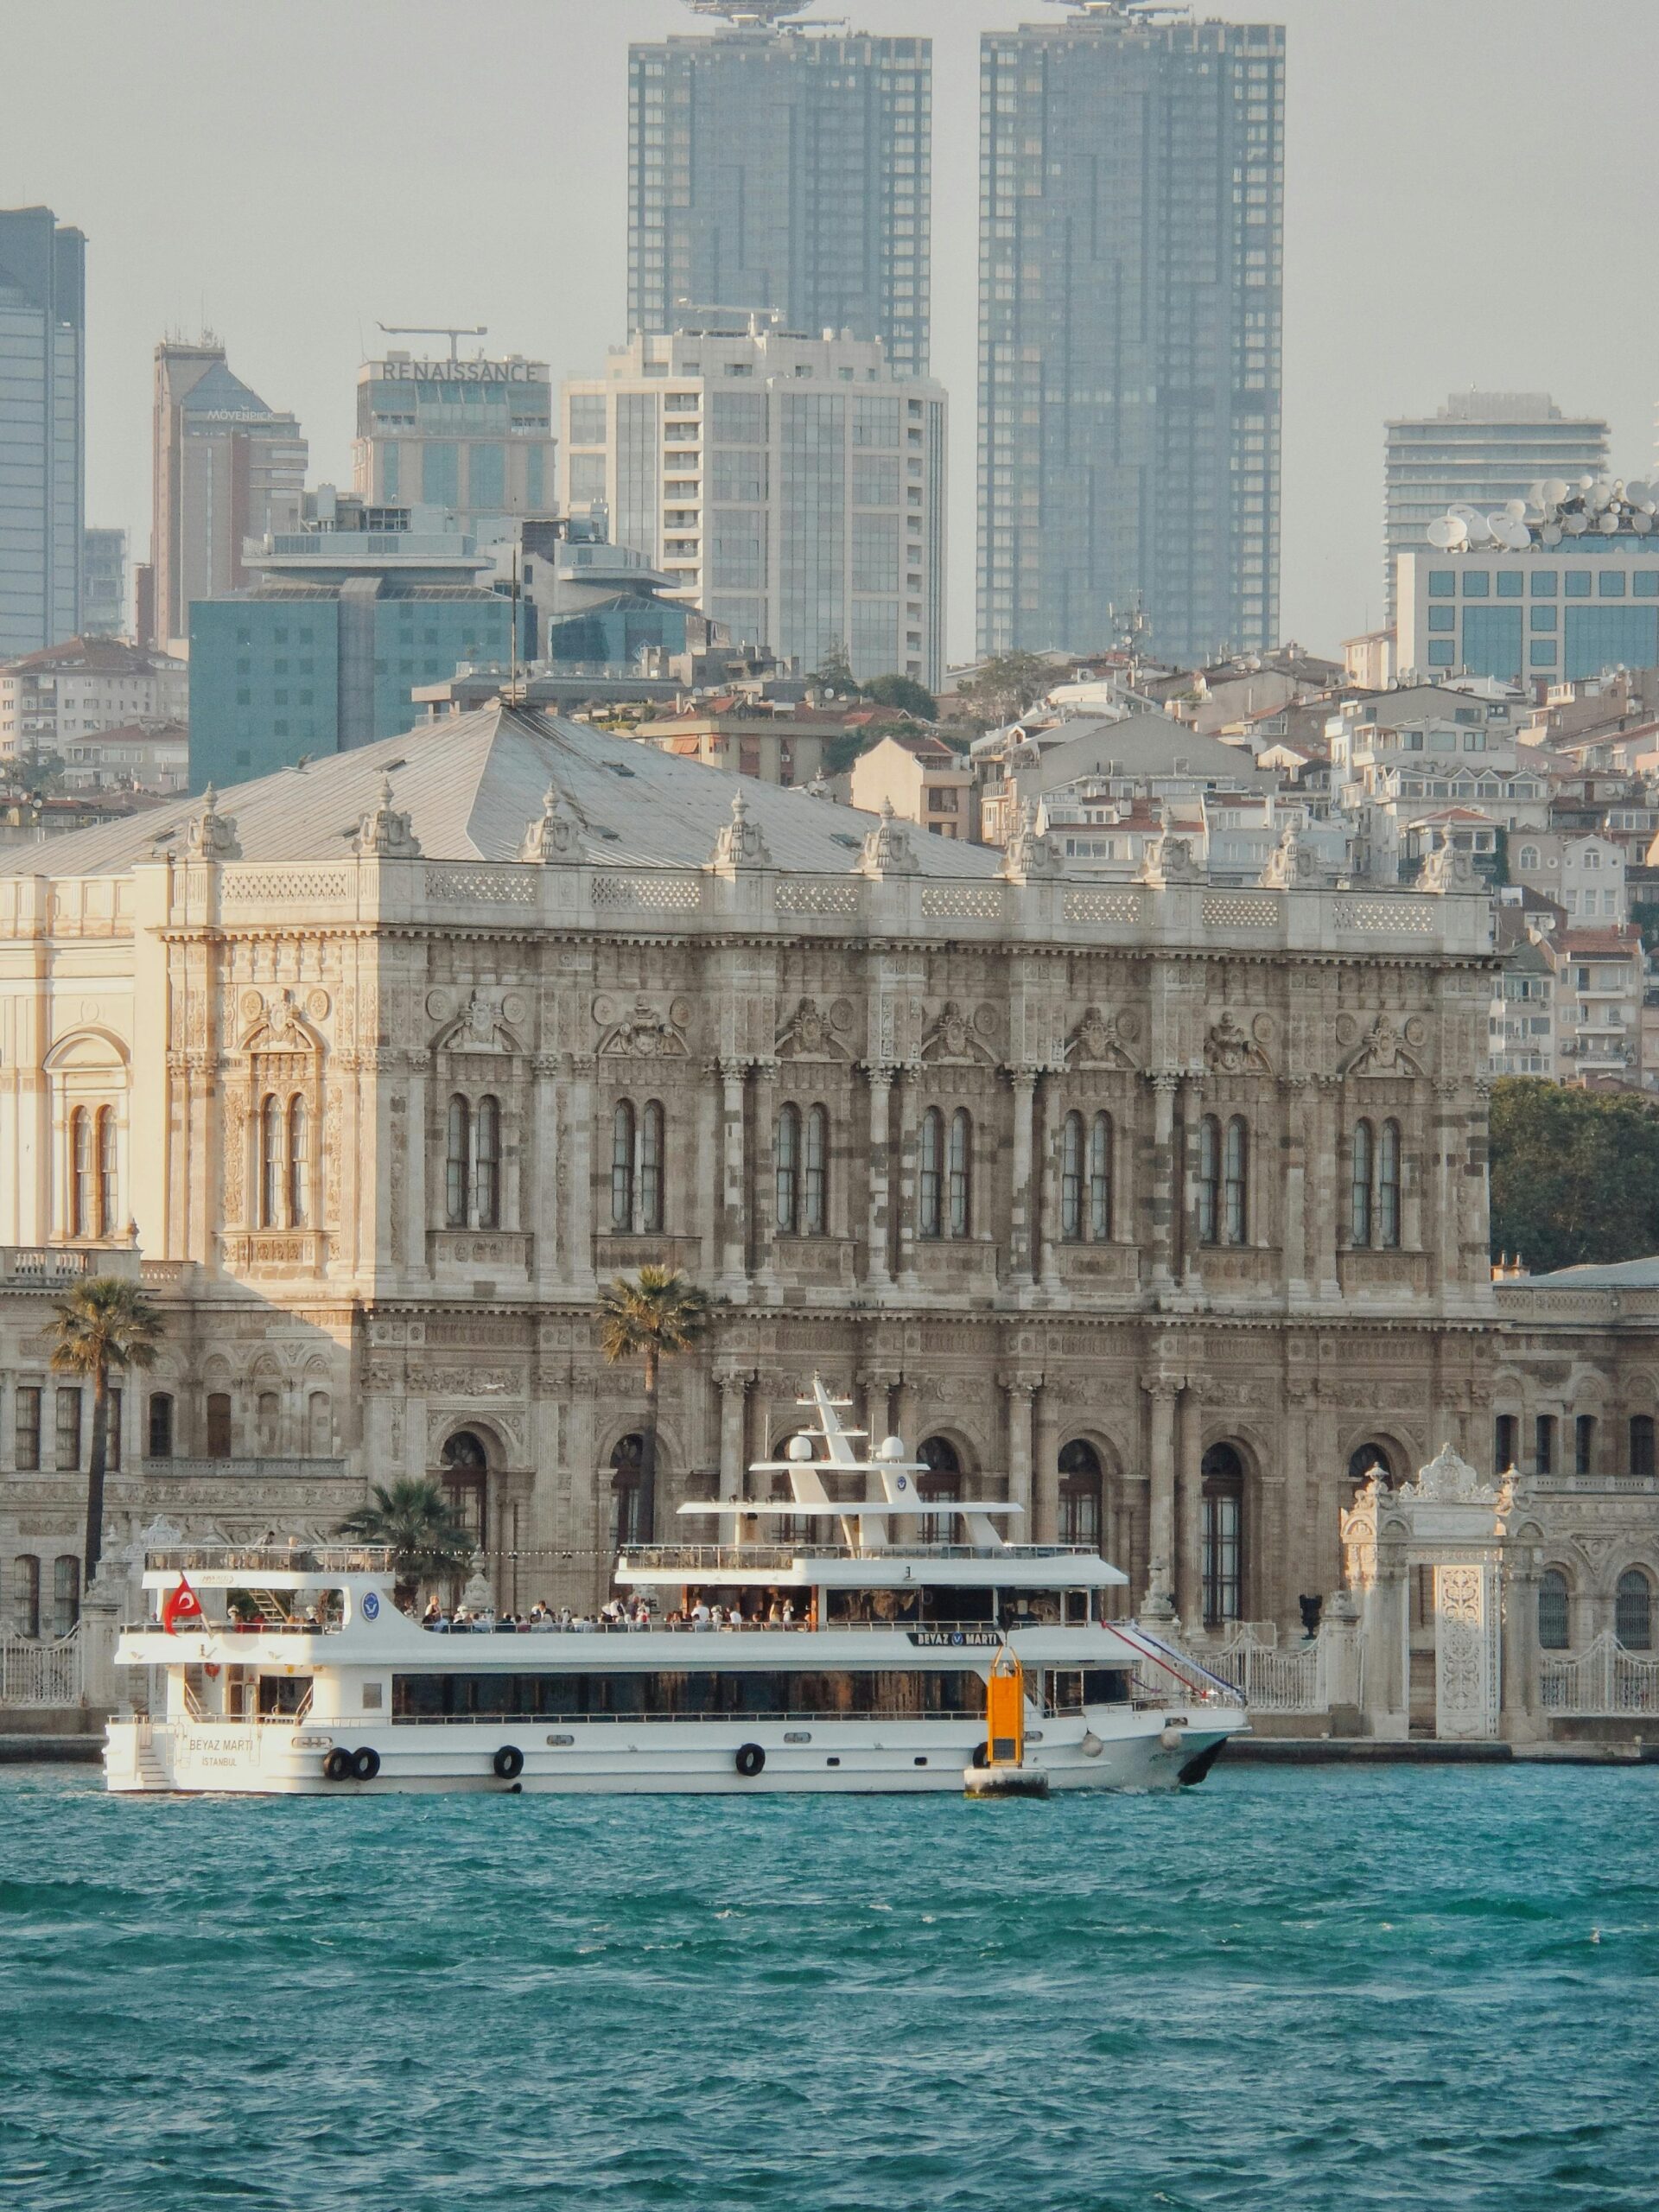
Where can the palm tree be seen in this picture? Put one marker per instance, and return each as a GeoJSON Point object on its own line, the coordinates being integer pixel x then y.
{"type": "Point", "coordinates": [104, 1322]}
{"type": "Point", "coordinates": [659, 1312]}
{"type": "Point", "coordinates": [416, 1520]}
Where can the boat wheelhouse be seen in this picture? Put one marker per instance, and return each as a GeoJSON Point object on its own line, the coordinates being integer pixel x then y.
{"type": "Point", "coordinates": [831, 1639]}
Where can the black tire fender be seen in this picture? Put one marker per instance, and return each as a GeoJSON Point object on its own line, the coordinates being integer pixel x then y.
{"type": "Point", "coordinates": [508, 1763]}
{"type": "Point", "coordinates": [337, 1766]}
{"type": "Point", "coordinates": [366, 1763]}
{"type": "Point", "coordinates": [750, 1760]}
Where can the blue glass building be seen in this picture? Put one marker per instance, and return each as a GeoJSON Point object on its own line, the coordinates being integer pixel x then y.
{"type": "Point", "coordinates": [1557, 614]}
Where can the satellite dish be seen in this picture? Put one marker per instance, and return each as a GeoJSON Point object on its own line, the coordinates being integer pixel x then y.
{"type": "Point", "coordinates": [1551, 533]}
{"type": "Point", "coordinates": [1641, 522]}
{"type": "Point", "coordinates": [1636, 493]}
{"type": "Point", "coordinates": [1608, 525]}
{"type": "Point", "coordinates": [1535, 513]}
{"type": "Point", "coordinates": [1575, 525]}
{"type": "Point", "coordinates": [1445, 533]}
{"type": "Point", "coordinates": [1555, 489]}
{"type": "Point", "coordinates": [1468, 514]}
{"type": "Point", "coordinates": [1586, 483]}
{"type": "Point", "coordinates": [1515, 510]}
{"type": "Point", "coordinates": [1520, 537]}
{"type": "Point", "coordinates": [1538, 493]}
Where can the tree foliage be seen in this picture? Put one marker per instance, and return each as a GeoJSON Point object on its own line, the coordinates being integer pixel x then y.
{"type": "Point", "coordinates": [835, 674]}
{"type": "Point", "coordinates": [903, 691]}
{"type": "Point", "coordinates": [660, 1311]}
{"type": "Point", "coordinates": [105, 1322]}
{"type": "Point", "coordinates": [1575, 1175]}
{"type": "Point", "coordinates": [416, 1520]}
{"type": "Point", "coordinates": [1001, 690]}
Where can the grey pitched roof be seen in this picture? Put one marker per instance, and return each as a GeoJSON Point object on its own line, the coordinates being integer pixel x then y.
{"type": "Point", "coordinates": [1144, 745]}
{"type": "Point", "coordinates": [474, 783]}
{"type": "Point", "coordinates": [1620, 1275]}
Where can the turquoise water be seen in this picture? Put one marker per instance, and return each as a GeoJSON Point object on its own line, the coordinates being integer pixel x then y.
{"type": "Point", "coordinates": [1304, 1989]}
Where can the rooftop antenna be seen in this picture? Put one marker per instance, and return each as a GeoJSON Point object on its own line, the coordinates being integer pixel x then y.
{"type": "Point", "coordinates": [452, 331]}
{"type": "Point", "coordinates": [1128, 12]}
{"type": "Point", "coordinates": [749, 15]}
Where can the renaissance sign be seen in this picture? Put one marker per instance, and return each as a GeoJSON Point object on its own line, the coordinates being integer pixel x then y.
{"type": "Point", "coordinates": [460, 372]}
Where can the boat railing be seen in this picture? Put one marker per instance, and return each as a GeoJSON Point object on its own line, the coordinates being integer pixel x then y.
{"type": "Point", "coordinates": [295, 1558]}
{"type": "Point", "coordinates": [588, 1627]}
{"type": "Point", "coordinates": [708, 1558]}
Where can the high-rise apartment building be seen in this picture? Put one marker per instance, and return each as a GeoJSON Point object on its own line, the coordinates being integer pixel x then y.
{"type": "Point", "coordinates": [1481, 448]}
{"type": "Point", "coordinates": [103, 583]}
{"type": "Point", "coordinates": [43, 429]}
{"type": "Point", "coordinates": [227, 467]}
{"type": "Point", "coordinates": [1131, 257]}
{"type": "Point", "coordinates": [474, 437]}
{"type": "Point", "coordinates": [792, 487]}
{"type": "Point", "coordinates": [782, 170]}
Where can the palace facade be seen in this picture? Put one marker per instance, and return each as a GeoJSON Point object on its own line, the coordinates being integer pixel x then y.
{"type": "Point", "coordinates": [1163, 1204]}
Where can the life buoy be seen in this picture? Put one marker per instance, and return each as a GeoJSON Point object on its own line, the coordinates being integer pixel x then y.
{"type": "Point", "coordinates": [509, 1762]}
{"type": "Point", "coordinates": [338, 1765]}
{"type": "Point", "coordinates": [366, 1763]}
{"type": "Point", "coordinates": [211, 1670]}
{"type": "Point", "coordinates": [750, 1760]}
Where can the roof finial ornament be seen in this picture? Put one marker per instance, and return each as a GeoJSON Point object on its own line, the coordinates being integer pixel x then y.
{"type": "Point", "coordinates": [887, 849]}
{"type": "Point", "coordinates": [741, 843]}
{"type": "Point", "coordinates": [556, 836]}
{"type": "Point", "coordinates": [1030, 856]}
{"type": "Point", "coordinates": [387, 834]}
{"type": "Point", "coordinates": [211, 835]}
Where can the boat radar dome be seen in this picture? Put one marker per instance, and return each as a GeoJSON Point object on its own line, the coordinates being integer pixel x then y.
{"type": "Point", "coordinates": [890, 1447]}
{"type": "Point", "coordinates": [798, 1447]}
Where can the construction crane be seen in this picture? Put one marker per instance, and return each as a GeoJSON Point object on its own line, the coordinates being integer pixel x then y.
{"type": "Point", "coordinates": [452, 331]}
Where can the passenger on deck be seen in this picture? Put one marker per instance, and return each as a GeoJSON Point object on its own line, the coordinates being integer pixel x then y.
{"type": "Point", "coordinates": [789, 1613]}
{"type": "Point", "coordinates": [700, 1617]}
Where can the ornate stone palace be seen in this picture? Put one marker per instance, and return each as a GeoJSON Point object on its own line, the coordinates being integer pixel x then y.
{"type": "Point", "coordinates": [1163, 1204]}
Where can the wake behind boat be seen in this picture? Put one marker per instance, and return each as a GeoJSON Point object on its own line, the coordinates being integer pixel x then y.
{"type": "Point", "coordinates": [856, 1637]}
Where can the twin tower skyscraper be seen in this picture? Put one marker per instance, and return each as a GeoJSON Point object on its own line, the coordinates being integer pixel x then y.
{"type": "Point", "coordinates": [1130, 282]}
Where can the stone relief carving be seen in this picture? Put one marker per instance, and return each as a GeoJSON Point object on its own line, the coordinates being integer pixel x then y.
{"type": "Point", "coordinates": [1096, 1042]}
{"type": "Point", "coordinates": [808, 1034]}
{"type": "Point", "coordinates": [643, 1033]}
{"type": "Point", "coordinates": [1230, 1050]}
{"type": "Point", "coordinates": [1383, 1052]}
{"type": "Point", "coordinates": [954, 1037]}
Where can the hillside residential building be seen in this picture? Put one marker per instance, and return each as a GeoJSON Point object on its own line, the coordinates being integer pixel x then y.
{"type": "Point", "coordinates": [50, 700]}
{"type": "Point", "coordinates": [922, 778]}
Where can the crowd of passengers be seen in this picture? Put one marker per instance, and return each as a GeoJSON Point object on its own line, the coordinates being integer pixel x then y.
{"type": "Point", "coordinates": [769, 1609]}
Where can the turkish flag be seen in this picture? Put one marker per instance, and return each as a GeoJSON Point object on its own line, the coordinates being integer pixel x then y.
{"type": "Point", "coordinates": [182, 1604]}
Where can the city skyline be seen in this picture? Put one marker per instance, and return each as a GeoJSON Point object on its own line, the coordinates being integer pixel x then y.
{"type": "Point", "coordinates": [1403, 270]}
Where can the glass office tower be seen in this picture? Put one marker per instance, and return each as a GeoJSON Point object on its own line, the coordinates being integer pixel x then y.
{"type": "Point", "coordinates": [785, 171]}
{"type": "Point", "coordinates": [1131, 251]}
{"type": "Point", "coordinates": [43, 429]}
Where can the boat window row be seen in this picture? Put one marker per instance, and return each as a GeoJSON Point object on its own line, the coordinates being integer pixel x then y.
{"type": "Point", "coordinates": [829, 1692]}
{"type": "Point", "coordinates": [955, 1605]}
{"type": "Point", "coordinates": [1069, 1689]}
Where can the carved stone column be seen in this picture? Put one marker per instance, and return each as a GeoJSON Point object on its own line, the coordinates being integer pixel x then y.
{"type": "Point", "coordinates": [1163, 1392]}
{"type": "Point", "coordinates": [763, 1174]}
{"type": "Point", "coordinates": [1045, 1477]}
{"type": "Point", "coordinates": [734, 1389]}
{"type": "Point", "coordinates": [1188, 1261]}
{"type": "Point", "coordinates": [1164, 1240]}
{"type": "Point", "coordinates": [539, 1193]}
{"type": "Point", "coordinates": [579, 1256]}
{"type": "Point", "coordinates": [1021, 1241]}
{"type": "Point", "coordinates": [1020, 1390]}
{"type": "Point", "coordinates": [1293, 1093]}
{"type": "Point", "coordinates": [877, 1272]}
{"type": "Point", "coordinates": [734, 1280]}
{"type": "Point", "coordinates": [1324, 1118]}
{"type": "Point", "coordinates": [1189, 1513]}
{"type": "Point", "coordinates": [908, 1278]}
{"type": "Point", "coordinates": [1048, 1218]}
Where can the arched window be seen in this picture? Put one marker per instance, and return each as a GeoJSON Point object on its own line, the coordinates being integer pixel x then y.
{"type": "Point", "coordinates": [626, 1493]}
{"type": "Point", "coordinates": [457, 1162]}
{"type": "Point", "coordinates": [272, 1159]}
{"type": "Point", "coordinates": [1080, 1489]}
{"type": "Point", "coordinates": [108, 1179]}
{"type": "Point", "coordinates": [465, 1466]}
{"type": "Point", "coordinates": [218, 1425]}
{"type": "Point", "coordinates": [1633, 1611]}
{"type": "Point", "coordinates": [960, 1165]}
{"type": "Point", "coordinates": [1359, 1219]}
{"type": "Point", "coordinates": [1642, 1443]}
{"type": "Point", "coordinates": [929, 1185]}
{"type": "Point", "coordinates": [83, 1216]}
{"type": "Point", "coordinates": [1072, 1178]}
{"type": "Point", "coordinates": [1553, 1629]}
{"type": "Point", "coordinates": [650, 1167]}
{"type": "Point", "coordinates": [161, 1425]}
{"type": "Point", "coordinates": [1100, 1179]}
{"type": "Point", "coordinates": [622, 1167]}
{"type": "Point", "coordinates": [319, 1426]}
{"type": "Point", "coordinates": [26, 1595]}
{"type": "Point", "coordinates": [268, 1410]}
{"type": "Point", "coordinates": [1528, 856]}
{"type": "Point", "coordinates": [815, 1189]}
{"type": "Point", "coordinates": [66, 1592]}
{"type": "Point", "coordinates": [299, 1163]}
{"type": "Point", "coordinates": [1236, 1192]}
{"type": "Point", "coordinates": [1223, 1561]}
{"type": "Point", "coordinates": [1388, 1187]}
{"type": "Point", "coordinates": [486, 1169]}
{"type": "Point", "coordinates": [1209, 1180]}
{"type": "Point", "coordinates": [1371, 1459]}
{"type": "Point", "coordinates": [943, 1480]}
{"type": "Point", "coordinates": [786, 1147]}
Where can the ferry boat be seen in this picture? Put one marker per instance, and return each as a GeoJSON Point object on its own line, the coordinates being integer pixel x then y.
{"type": "Point", "coordinates": [860, 1664]}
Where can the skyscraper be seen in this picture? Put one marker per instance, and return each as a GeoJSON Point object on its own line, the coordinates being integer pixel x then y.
{"type": "Point", "coordinates": [474, 437]}
{"type": "Point", "coordinates": [1130, 307]}
{"type": "Point", "coordinates": [43, 429]}
{"type": "Point", "coordinates": [104, 584]}
{"type": "Point", "coordinates": [780, 170]}
{"type": "Point", "coordinates": [227, 467]}
{"type": "Point", "coordinates": [1481, 448]}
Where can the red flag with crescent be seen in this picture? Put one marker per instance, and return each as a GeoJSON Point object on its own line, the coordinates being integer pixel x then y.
{"type": "Point", "coordinates": [182, 1604]}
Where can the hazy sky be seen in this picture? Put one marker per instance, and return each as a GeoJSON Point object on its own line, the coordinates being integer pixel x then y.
{"type": "Point", "coordinates": [1470, 200]}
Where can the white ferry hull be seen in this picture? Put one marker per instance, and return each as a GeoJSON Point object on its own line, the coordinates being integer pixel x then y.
{"type": "Point", "coordinates": [1160, 1751]}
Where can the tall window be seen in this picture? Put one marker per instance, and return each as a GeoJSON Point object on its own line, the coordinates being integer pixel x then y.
{"type": "Point", "coordinates": [68, 1437]}
{"type": "Point", "coordinates": [1359, 1227]}
{"type": "Point", "coordinates": [1235, 1192]}
{"type": "Point", "coordinates": [108, 1184]}
{"type": "Point", "coordinates": [787, 1155]}
{"type": "Point", "coordinates": [83, 1198]}
{"type": "Point", "coordinates": [1072, 1178]}
{"type": "Point", "coordinates": [113, 1413]}
{"type": "Point", "coordinates": [268, 1417]}
{"type": "Point", "coordinates": [622, 1167]}
{"type": "Point", "coordinates": [457, 1163]}
{"type": "Point", "coordinates": [1388, 1187]}
{"type": "Point", "coordinates": [161, 1425]}
{"type": "Point", "coordinates": [1209, 1180]}
{"type": "Point", "coordinates": [1223, 1479]}
{"type": "Point", "coordinates": [1553, 1630]}
{"type": "Point", "coordinates": [487, 1182]}
{"type": "Point", "coordinates": [27, 1431]}
{"type": "Point", "coordinates": [218, 1425]}
{"type": "Point", "coordinates": [1544, 1441]}
{"type": "Point", "coordinates": [929, 1212]}
{"type": "Point", "coordinates": [26, 1595]}
{"type": "Point", "coordinates": [299, 1163]}
{"type": "Point", "coordinates": [1080, 1488]}
{"type": "Point", "coordinates": [1584, 1445]}
{"type": "Point", "coordinates": [650, 1167]}
{"type": "Point", "coordinates": [272, 1157]}
{"type": "Point", "coordinates": [942, 1480]}
{"type": "Point", "coordinates": [1640, 1444]}
{"type": "Point", "coordinates": [65, 1593]}
{"type": "Point", "coordinates": [318, 1425]}
{"type": "Point", "coordinates": [1100, 1179]}
{"type": "Point", "coordinates": [627, 1496]}
{"type": "Point", "coordinates": [961, 1169]}
{"type": "Point", "coordinates": [815, 1187]}
{"type": "Point", "coordinates": [1633, 1611]}
{"type": "Point", "coordinates": [1506, 1442]}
